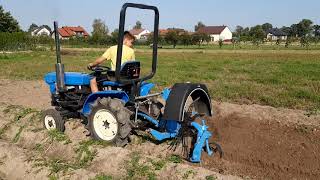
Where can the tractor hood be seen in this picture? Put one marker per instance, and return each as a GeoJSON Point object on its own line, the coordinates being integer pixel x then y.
{"type": "Point", "coordinates": [70, 78]}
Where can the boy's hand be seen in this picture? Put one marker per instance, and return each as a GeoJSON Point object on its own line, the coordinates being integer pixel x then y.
{"type": "Point", "coordinates": [90, 66]}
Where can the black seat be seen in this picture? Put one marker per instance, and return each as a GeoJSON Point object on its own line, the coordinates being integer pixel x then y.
{"type": "Point", "coordinates": [130, 70]}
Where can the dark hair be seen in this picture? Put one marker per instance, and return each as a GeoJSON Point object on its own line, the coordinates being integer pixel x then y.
{"type": "Point", "coordinates": [128, 35]}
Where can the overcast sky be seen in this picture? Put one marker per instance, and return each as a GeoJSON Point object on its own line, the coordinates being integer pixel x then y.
{"type": "Point", "coordinates": [173, 13]}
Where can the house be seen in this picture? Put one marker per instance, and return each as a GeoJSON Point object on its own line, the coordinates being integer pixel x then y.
{"type": "Point", "coordinates": [43, 30]}
{"type": "Point", "coordinates": [163, 32]}
{"type": "Point", "coordinates": [275, 34]}
{"type": "Point", "coordinates": [217, 32]}
{"type": "Point", "coordinates": [67, 32]}
{"type": "Point", "coordinates": [140, 33]}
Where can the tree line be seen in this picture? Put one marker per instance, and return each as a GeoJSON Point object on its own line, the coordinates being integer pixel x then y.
{"type": "Point", "coordinates": [304, 32]}
{"type": "Point", "coordinates": [12, 37]}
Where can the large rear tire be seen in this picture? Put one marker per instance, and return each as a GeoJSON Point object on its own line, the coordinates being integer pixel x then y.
{"type": "Point", "coordinates": [109, 121]}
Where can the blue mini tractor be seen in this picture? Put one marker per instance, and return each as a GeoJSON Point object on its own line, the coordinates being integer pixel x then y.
{"type": "Point", "coordinates": [125, 103]}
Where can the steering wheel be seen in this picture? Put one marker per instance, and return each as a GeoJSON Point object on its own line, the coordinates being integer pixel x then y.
{"type": "Point", "coordinates": [100, 69]}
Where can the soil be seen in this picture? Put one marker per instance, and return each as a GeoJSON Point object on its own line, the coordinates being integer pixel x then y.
{"type": "Point", "coordinates": [259, 142]}
{"type": "Point", "coordinates": [264, 144]}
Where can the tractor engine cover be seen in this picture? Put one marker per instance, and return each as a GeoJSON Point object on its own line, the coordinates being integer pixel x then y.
{"type": "Point", "coordinates": [180, 92]}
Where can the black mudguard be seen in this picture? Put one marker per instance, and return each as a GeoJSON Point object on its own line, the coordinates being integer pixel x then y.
{"type": "Point", "coordinates": [178, 97]}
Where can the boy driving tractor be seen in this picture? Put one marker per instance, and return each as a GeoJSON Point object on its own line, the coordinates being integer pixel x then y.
{"type": "Point", "coordinates": [111, 54]}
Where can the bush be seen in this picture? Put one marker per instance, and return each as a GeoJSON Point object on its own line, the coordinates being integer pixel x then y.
{"type": "Point", "coordinates": [16, 41]}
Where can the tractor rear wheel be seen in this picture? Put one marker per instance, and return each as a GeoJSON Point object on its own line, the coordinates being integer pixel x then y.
{"type": "Point", "coordinates": [53, 120]}
{"type": "Point", "coordinates": [109, 121]}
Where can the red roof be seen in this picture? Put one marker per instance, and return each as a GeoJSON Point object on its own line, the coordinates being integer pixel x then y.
{"type": "Point", "coordinates": [136, 31]}
{"type": "Point", "coordinates": [211, 29]}
{"type": "Point", "coordinates": [67, 31]}
{"type": "Point", "coordinates": [163, 32]}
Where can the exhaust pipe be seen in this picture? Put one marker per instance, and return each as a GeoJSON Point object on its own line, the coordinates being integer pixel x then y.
{"type": "Point", "coordinates": [61, 87]}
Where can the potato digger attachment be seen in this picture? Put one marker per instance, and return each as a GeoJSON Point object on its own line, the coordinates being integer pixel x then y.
{"type": "Point", "coordinates": [125, 103]}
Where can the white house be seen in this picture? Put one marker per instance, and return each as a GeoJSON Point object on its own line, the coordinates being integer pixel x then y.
{"type": "Point", "coordinates": [140, 33]}
{"type": "Point", "coordinates": [217, 33]}
{"type": "Point", "coordinates": [274, 34]}
{"type": "Point", "coordinates": [40, 31]}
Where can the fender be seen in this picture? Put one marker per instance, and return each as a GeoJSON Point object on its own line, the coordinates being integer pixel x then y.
{"type": "Point", "coordinates": [145, 88]}
{"type": "Point", "coordinates": [101, 94]}
{"type": "Point", "coordinates": [174, 110]}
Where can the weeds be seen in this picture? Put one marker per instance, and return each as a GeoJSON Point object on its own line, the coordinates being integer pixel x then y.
{"type": "Point", "coordinates": [137, 170]}
{"type": "Point", "coordinates": [158, 165]}
{"type": "Point", "coordinates": [102, 177]}
{"type": "Point", "coordinates": [17, 136]}
{"type": "Point", "coordinates": [188, 173]}
{"type": "Point", "coordinates": [56, 135]}
{"type": "Point", "coordinates": [84, 154]}
{"type": "Point", "coordinates": [19, 113]}
{"type": "Point", "coordinates": [211, 177]}
{"type": "Point", "coordinates": [174, 158]}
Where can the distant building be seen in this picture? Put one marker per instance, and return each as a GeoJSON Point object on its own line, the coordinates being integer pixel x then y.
{"type": "Point", "coordinates": [43, 30]}
{"type": "Point", "coordinates": [140, 33]}
{"type": "Point", "coordinates": [163, 32]}
{"type": "Point", "coordinates": [274, 34]}
{"type": "Point", "coordinates": [217, 33]}
{"type": "Point", "coordinates": [67, 32]}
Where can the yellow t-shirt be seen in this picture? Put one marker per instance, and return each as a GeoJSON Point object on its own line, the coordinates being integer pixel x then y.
{"type": "Point", "coordinates": [111, 54]}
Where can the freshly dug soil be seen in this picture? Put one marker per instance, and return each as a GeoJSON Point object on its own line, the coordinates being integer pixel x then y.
{"type": "Point", "coordinates": [265, 148]}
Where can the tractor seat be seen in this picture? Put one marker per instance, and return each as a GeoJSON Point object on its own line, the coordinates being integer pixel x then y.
{"type": "Point", "coordinates": [128, 70]}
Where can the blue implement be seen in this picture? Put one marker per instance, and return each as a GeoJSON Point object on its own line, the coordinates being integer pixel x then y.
{"type": "Point", "coordinates": [202, 142]}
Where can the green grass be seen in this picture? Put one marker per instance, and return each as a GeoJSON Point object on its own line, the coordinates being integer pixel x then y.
{"type": "Point", "coordinates": [279, 78]}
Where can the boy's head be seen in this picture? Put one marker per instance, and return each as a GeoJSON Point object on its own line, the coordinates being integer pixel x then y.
{"type": "Point", "coordinates": [128, 39]}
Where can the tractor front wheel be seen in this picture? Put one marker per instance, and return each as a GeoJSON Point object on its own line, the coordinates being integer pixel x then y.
{"type": "Point", "coordinates": [109, 121]}
{"type": "Point", "coordinates": [53, 120]}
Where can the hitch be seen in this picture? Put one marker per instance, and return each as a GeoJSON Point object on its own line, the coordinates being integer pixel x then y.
{"type": "Point", "coordinates": [202, 142]}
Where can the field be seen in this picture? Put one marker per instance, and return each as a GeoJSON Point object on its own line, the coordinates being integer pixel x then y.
{"type": "Point", "coordinates": [266, 104]}
{"type": "Point", "coordinates": [267, 77]}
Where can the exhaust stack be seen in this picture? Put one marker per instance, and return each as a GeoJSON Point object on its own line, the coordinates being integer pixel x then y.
{"type": "Point", "coordinates": [61, 87]}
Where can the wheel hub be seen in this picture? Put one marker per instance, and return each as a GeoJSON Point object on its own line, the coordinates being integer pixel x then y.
{"type": "Point", "coordinates": [49, 122]}
{"type": "Point", "coordinates": [105, 124]}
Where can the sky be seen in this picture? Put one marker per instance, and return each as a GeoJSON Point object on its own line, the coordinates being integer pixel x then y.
{"type": "Point", "coordinates": [173, 13]}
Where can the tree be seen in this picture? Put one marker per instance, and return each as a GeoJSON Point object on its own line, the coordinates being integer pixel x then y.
{"type": "Point", "coordinates": [304, 27]}
{"type": "Point", "coordinates": [150, 39]}
{"type": "Point", "coordinates": [138, 25]}
{"type": "Point", "coordinates": [185, 38]}
{"type": "Point", "coordinates": [100, 29]}
{"type": "Point", "coordinates": [172, 37]}
{"type": "Point", "coordinates": [7, 22]}
{"type": "Point", "coordinates": [220, 43]}
{"type": "Point", "coordinates": [245, 35]}
{"type": "Point", "coordinates": [198, 26]}
{"type": "Point", "coordinates": [288, 42]}
{"type": "Point", "coordinates": [114, 36]}
{"type": "Point", "coordinates": [32, 27]}
{"type": "Point", "coordinates": [257, 34]}
{"type": "Point", "coordinates": [266, 26]}
{"type": "Point", "coordinates": [239, 31]}
{"type": "Point", "coordinates": [293, 30]}
{"type": "Point", "coordinates": [196, 39]}
{"type": "Point", "coordinates": [205, 37]}
{"type": "Point", "coordinates": [286, 29]}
